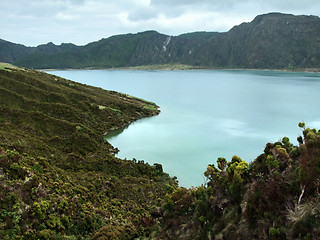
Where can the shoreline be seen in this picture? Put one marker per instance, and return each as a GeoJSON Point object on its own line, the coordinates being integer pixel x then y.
{"type": "Point", "coordinates": [181, 67]}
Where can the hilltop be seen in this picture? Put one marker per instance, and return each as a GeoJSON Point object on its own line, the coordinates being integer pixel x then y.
{"type": "Point", "coordinates": [270, 41]}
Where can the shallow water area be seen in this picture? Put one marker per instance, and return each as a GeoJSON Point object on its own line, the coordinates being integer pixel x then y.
{"type": "Point", "coordinates": [206, 114]}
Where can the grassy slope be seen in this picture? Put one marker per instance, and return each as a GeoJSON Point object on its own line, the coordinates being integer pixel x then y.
{"type": "Point", "coordinates": [58, 175]}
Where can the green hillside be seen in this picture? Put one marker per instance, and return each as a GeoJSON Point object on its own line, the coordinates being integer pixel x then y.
{"type": "Point", "coordinates": [59, 178]}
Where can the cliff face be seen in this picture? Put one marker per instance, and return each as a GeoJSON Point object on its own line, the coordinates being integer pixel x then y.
{"type": "Point", "coordinates": [274, 40]}
{"type": "Point", "coordinates": [269, 41]}
{"type": "Point", "coordinates": [163, 49]}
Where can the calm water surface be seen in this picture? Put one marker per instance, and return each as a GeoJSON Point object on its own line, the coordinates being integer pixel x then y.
{"type": "Point", "coordinates": [208, 114]}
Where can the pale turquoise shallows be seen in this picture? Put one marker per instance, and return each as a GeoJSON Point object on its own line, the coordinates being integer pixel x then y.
{"type": "Point", "coordinates": [206, 114]}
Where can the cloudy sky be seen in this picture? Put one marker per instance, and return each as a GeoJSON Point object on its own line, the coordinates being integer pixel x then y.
{"type": "Point", "coordinates": [34, 22]}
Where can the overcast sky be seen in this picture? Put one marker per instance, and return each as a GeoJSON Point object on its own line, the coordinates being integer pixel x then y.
{"type": "Point", "coordinates": [34, 22]}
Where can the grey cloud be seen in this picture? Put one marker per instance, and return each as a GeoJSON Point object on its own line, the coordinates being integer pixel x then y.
{"type": "Point", "coordinates": [231, 4]}
{"type": "Point", "coordinates": [40, 7]}
{"type": "Point", "coordinates": [76, 2]}
{"type": "Point", "coordinates": [143, 15]}
{"type": "Point", "coordinates": [200, 3]}
{"type": "Point", "coordinates": [81, 21]}
{"type": "Point", "coordinates": [32, 8]}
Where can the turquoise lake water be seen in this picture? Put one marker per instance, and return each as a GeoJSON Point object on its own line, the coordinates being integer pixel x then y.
{"type": "Point", "coordinates": [206, 114]}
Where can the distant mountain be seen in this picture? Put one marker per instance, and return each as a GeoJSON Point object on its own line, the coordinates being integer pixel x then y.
{"type": "Point", "coordinates": [270, 41]}
{"type": "Point", "coordinates": [12, 53]}
{"type": "Point", "coordinates": [274, 40]}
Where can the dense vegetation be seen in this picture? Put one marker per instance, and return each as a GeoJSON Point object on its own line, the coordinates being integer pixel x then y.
{"type": "Point", "coordinates": [274, 197]}
{"type": "Point", "coordinates": [272, 41]}
{"type": "Point", "coordinates": [59, 178]}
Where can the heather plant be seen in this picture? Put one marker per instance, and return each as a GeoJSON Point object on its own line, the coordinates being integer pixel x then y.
{"type": "Point", "coordinates": [274, 197]}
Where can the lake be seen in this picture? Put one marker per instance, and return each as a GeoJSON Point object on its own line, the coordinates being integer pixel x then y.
{"type": "Point", "coordinates": [206, 114]}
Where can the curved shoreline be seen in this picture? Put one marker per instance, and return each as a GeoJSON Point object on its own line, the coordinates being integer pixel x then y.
{"type": "Point", "coordinates": [171, 67]}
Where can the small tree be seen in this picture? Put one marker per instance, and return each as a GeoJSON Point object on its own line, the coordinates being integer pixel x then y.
{"type": "Point", "coordinates": [309, 165]}
{"type": "Point", "coordinates": [222, 163]}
